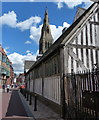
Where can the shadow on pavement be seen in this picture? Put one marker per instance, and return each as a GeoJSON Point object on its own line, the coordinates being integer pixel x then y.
{"type": "Point", "coordinates": [15, 107]}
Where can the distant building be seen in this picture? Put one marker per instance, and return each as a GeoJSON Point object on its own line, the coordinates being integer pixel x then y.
{"type": "Point", "coordinates": [20, 79]}
{"type": "Point", "coordinates": [28, 64]}
{"type": "Point", "coordinates": [6, 69]}
{"type": "Point", "coordinates": [11, 73]}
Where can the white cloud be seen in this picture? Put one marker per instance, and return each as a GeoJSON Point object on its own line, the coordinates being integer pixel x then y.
{"type": "Point", "coordinates": [69, 3]}
{"type": "Point", "coordinates": [57, 31]}
{"type": "Point", "coordinates": [28, 23]}
{"type": "Point", "coordinates": [6, 49]}
{"type": "Point", "coordinates": [9, 19]}
{"type": "Point", "coordinates": [28, 42]}
{"type": "Point", "coordinates": [59, 5]}
{"type": "Point", "coordinates": [87, 5]}
{"type": "Point", "coordinates": [18, 60]}
{"type": "Point", "coordinates": [28, 51]}
{"type": "Point", "coordinates": [72, 3]}
{"type": "Point", "coordinates": [35, 32]}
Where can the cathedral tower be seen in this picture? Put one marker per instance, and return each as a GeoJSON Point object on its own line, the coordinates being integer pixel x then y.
{"type": "Point", "coordinates": [46, 39]}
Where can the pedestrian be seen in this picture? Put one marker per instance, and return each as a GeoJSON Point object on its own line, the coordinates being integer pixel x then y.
{"type": "Point", "coordinates": [3, 87]}
{"type": "Point", "coordinates": [8, 88]}
{"type": "Point", "coordinates": [12, 86]}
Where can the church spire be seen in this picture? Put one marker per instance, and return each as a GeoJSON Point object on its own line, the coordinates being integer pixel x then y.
{"type": "Point", "coordinates": [46, 19]}
{"type": "Point", "coordinates": [46, 39]}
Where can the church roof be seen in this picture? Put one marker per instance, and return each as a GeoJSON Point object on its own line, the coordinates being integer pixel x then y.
{"type": "Point", "coordinates": [64, 38]}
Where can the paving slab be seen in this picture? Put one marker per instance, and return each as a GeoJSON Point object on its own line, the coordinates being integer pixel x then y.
{"type": "Point", "coordinates": [43, 112]}
{"type": "Point", "coordinates": [14, 108]}
{"type": "Point", "coordinates": [0, 104]}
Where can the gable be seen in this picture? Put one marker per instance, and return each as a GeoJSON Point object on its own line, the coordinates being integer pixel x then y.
{"type": "Point", "coordinates": [78, 25]}
{"type": "Point", "coordinates": [83, 44]}
{"type": "Point", "coordinates": [79, 12]}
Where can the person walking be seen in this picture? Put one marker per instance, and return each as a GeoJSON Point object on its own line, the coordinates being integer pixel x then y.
{"type": "Point", "coordinates": [3, 87]}
{"type": "Point", "coordinates": [8, 88]}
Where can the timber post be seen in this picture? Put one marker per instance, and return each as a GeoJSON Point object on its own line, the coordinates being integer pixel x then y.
{"type": "Point", "coordinates": [63, 99]}
{"type": "Point", "coordinates": [35, 102]}
{"type": "Point", "coordinates": [30, 102]}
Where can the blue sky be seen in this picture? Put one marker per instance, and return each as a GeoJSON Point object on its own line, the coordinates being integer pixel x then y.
{"type": "Point", "coordinates": [21, 26]}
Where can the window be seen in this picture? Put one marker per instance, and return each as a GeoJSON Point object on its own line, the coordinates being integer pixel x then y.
{"type": "Point", "coordinates": [4, 58]}
{"type": "Point", "coordinates": [52, 66]}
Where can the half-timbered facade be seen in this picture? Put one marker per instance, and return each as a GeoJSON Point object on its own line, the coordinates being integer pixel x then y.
{"type": "Point", "coordinates": [77, 49]}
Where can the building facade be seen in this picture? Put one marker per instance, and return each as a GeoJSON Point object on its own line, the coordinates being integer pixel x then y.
{"type": "Point", "coordinates": [6, 69]}
{"type": "Point", "coordinates": [20, 80]}
{"type": "Point", "coordinates": [27, 65]}
{"type": "Point", "coordinates": [77, 49]}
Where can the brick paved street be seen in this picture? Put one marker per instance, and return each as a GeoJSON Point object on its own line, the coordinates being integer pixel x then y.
{"type": "Point", "coordinates": [13, 108]}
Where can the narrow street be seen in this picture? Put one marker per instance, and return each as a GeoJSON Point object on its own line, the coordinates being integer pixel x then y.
{"type": "Point", "coordinates": [12, 107]}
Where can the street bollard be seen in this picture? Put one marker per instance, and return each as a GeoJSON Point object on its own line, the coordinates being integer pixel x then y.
{"type": "Point", "coordinates": [30, 103]}
{"type": "Point", "coordinates": [35, 103]}
{"type": "Point", "coordinates": [25, 93]}
{"type": "Point", "coordinates": [27, 96]}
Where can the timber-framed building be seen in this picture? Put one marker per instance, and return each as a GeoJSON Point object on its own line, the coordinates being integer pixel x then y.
{"type": "Point", "coordinates": [77, 49]}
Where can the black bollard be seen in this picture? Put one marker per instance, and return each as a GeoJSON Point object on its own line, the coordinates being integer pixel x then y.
{"type": "Point", "coordinates": [35, 103]}
{"type": "Point", "coordinates": [27, 96]}
{"type": "Point", "coordinates": [30, 103]}
{"type": "Point", "coordinates": [21, 90]}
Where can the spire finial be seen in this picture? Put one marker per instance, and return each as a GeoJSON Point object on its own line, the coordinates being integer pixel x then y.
{"type": "Point", "coordinates": [46, 10]}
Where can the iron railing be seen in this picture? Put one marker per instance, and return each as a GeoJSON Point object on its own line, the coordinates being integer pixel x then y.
{"type": "Point", "coordinates": [83, 95]}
